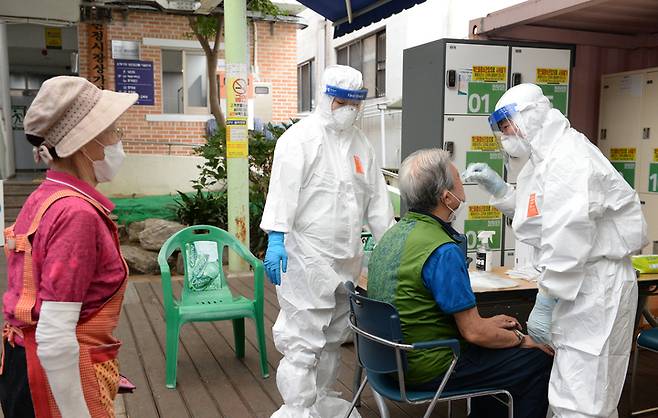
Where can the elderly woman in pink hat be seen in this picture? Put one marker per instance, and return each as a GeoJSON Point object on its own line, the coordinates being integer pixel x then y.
{"type": "Point", "coordinates": [66, 275]}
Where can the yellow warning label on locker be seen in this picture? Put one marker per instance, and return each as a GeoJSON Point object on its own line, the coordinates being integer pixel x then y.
{"type": "Point", "coordinates": [483, 212]}
{"type": "Point", "coordinates": [622, 154]}
{"type": "Point", "coordinates": [655, 155]}
{"type": "Point", "coordinates": [484, 143]}
{"type": "Point", "coordinates": [489, 73]}
{"type": "Point", "coordinates": [552, 76]}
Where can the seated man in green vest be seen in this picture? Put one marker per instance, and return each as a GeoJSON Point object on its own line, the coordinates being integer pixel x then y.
{"type": "Point", "coordinates": [418, 267]}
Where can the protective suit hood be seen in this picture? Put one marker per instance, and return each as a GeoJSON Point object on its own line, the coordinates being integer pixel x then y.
{"type": "Point", "coordinates": [338, 81]}
{"type": "Point", "coordinates": [537, 115]}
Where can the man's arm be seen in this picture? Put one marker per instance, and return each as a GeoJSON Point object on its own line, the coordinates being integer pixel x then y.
{"type": "Point", "coordinates": [444, 274]}
{"type": "Point", "coordinates": [500, 331]}
{"type": "Point", "coordinates": [486, 332]}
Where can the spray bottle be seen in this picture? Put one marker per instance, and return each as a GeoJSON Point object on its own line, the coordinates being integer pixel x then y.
{"type": "Point", "coordinates": [483, 256]}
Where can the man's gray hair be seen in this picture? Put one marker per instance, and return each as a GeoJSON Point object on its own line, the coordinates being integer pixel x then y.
{"type": "Point", "coordinates": [424, 175]}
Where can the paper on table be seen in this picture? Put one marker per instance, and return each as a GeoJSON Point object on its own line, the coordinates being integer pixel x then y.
{"type": "Point", "coordinates": [487, 280]}
{"type": "Point", "coordinates": [528, 273]}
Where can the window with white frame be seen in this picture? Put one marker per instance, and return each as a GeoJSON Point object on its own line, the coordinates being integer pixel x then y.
{"type": "Point", "coordinates": [184, 82]}
{"type": "Point", "coordinates": [367, 55]}
{"type": "Point", "coordinates": [305, 99]}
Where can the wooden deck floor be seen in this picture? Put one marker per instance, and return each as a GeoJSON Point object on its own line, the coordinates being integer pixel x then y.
{"type": "Point", "coordinates": [212, 382]}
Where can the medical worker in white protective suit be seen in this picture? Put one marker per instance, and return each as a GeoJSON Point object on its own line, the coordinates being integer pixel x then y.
{"type": "Point", "coordinates": [325, 186]}
{"type": "Point", "coordinates": [584, 222]}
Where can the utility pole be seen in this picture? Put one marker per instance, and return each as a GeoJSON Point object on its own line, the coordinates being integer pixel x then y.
{"type": "Point", "coordinates": [237, 135]}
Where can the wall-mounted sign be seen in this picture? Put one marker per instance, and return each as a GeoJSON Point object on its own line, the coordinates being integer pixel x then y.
{"type": "Point", "coordinates": [237, 134]}
{"type": "Point", "coordinates": [135, 77]}
{"type": "Point", "coordinates": [53, 38]}
{"type": "Point", "coordinates": [17, 116]}
{"type": "Point", "coordinates": [125, 50]}
{"type": "Point", "coordinates": [96, 38]}
{"type": "Point", "coordinates": [221, 76]}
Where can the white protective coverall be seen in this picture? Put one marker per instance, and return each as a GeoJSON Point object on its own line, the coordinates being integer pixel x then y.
{"type": "Point", "coordinates": [325, 185]}
{"type": "Point", "coordinates": [584, 222]}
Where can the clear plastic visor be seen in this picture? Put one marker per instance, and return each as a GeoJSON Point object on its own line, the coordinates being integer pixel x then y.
{"type": "Point", "coordinates": [506, 122]}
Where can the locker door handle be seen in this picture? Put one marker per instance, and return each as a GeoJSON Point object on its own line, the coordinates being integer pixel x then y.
{"type": "Point", "coordinates": [646, 133]}
{"type": "Point", "coordinates": [604, 134]}
{"type": "Point", "coordinates": [451, 78]}
{"type": "Point", "coordinates": [450, 147]}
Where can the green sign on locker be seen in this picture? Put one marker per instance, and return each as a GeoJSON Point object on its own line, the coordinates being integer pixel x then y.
{"type": "Point", "coordinates": [493, 159]}
{"type": "Point", "coordinates": [483, 218]}
{"type": "Point", "coordinates": [482, 97]}
{"type": "Point", "coordinates": [653, 177]}
{"type": "Point", "coordinates": [485, 149]}
{"type": "Point", "coordinates": [627, 170]}
{"type": "Point", "coordinates": [623, 160]}
{"type": "Point", "coordinates": [557, 94]}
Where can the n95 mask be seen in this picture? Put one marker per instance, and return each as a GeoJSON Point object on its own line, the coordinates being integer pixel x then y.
{"type": "Point", "coordinates": [344, 116]}
{"type": "Point", "coordinates": [516, 147]}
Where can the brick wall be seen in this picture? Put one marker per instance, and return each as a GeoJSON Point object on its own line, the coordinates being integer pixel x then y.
{"type": "Point", "coordinates": [276, 59]}
{"type": "Point", "coordinates": [277, 63]}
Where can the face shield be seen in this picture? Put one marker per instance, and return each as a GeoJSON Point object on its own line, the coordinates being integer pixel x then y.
{"type": "Point", "coordinates": [346, 105]}
{"type": "Point", "coordinates": [346, 95]}
{"type": "Point", "coordinates": [508, 127]}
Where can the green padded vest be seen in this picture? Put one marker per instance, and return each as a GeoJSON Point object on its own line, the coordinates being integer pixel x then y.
{"type": "Point", "coordinates": [395, 276]}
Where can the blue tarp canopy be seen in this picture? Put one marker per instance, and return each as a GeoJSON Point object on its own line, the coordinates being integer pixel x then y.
{"type": "Point", "coordinates": [363, 12]}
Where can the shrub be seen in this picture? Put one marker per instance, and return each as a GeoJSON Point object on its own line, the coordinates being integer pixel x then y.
{"type": "Point", "coordinates": [209, 204]}
{"type": "Point", "coordinates": [207, 208]}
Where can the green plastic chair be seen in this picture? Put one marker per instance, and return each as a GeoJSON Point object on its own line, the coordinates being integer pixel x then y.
{"type": "Point", "coordinates": [205, 295]}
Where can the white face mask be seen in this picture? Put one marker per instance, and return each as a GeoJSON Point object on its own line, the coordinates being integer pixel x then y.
{"type": "Point", "coordinates": [516, 147]}
{"type": "Point", "coordinates": [107, 168]}
{"type": "Point", "coordinates": [345, 116]}
{"type": "Point", "coordinates": [454, 213]}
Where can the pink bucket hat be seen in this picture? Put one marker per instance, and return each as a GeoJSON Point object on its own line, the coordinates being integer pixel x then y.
{"type": "Point", "coordinates": [68, 112]}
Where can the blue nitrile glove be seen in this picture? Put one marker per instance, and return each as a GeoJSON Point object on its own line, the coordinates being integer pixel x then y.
{"type": "Point", "coordinates": [541, 317]}
{"type": "Point", "coordinates": [483, 175]}
{"type": "Point", "coordinates": [275, 256]}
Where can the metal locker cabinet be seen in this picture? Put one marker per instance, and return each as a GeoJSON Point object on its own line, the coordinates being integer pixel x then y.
{"type": "Point", "coordinates": [428, 94]}
{"type": "Point", "coordinates": [479, 215]}
{"type": "Point", "coordinates": [472, 141]}
{"type": "Point", "coordinates": [464, 59]}
{"type": "Point", "coordinates": [648, 158]}
{"type": "Point", "coordinates": [648, 148]}
{"type": "Point", "coordinates": [621, 100]}
{"type": "Point", "coordinates": [650, 210]}
{"type": "Point", "coordinates": [547, 67]}
{"type": "Point", "coordinates": [450, 87]}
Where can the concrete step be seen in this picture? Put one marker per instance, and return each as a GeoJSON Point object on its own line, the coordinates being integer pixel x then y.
{"type": "Point", "coordinates": [15, 201]}
{"type": "Point", "coordinates": [16, 191]}
{"type": "Point", "coordinates": [10, 215]}
{"type": "Point", "coordinates": [19, 187]}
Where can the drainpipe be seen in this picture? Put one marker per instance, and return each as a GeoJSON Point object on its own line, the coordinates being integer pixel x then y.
{"type": "Point", "coordinates": [382, 130]}
{"type": "Point", "coordinates": [7, 164]}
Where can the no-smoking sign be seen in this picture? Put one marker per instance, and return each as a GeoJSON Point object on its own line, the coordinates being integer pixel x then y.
{"type": "Point", "coordinates": [240, 86]}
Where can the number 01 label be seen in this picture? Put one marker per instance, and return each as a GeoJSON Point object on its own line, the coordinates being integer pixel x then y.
{"type": "Point", "coordinates": [482, 97]}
